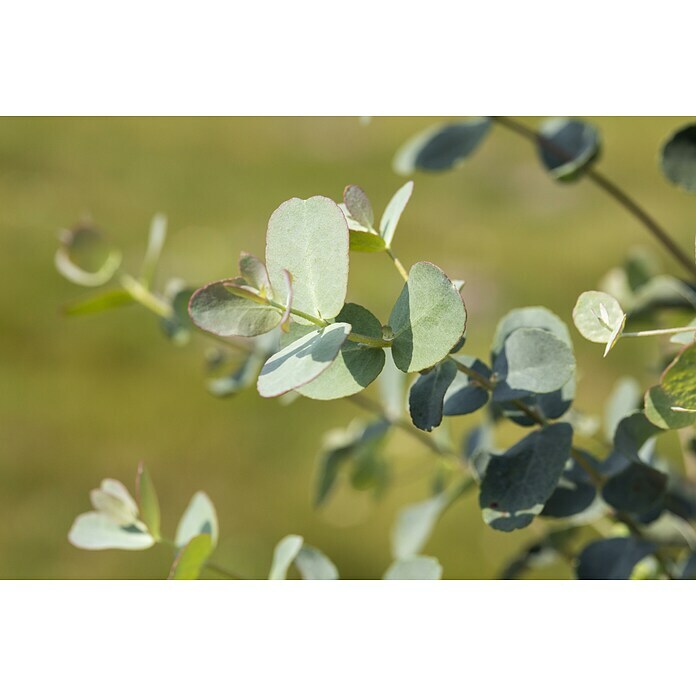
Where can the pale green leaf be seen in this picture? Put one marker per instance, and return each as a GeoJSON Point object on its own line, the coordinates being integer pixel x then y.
{"type": "Point", "coordinates": [309, 239]}
{"type": "Point", "coordinates": [95, 531]}
{"type": "Point", "coordinates": [428, 319]}
{"type": "Point", "coordinates": [623, 400]}
{"type": "Point", "coordinates": [392, 213]}
{"type": "Point", "coordinates": [597, 317]}
{"type": "Point", "coordinates": [155, 243]}
{"type": "Point", "coordinates": [190, 559]}
{"type": "Point", "coordinates": [284, 554]}
{"type": "Point", "coordinates": [366, 241]}
{"type": "Point", "coordinates": [415, 524]}
{"type": "Point", "coordinates": [198, 518]}
{"type": "Point", "coordinates": [679, 379]}
{"type": "Point", "coordinates": [315, 565]}
{"type": "Point", "coordinates": [109, 299]}
{"type": "Point", "coordinates": [147, 500]}
{"type": "Point", "coordinates": [358, 205]}
{"type": "Point", "coordinates": [416, 568]}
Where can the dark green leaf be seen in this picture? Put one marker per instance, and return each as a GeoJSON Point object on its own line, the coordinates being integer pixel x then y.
{"type": "Point", "coordinates": [632, 433]}
{"type": "Point", "coordinates": [637, 489]}
{"type": "Point", "coordinates": [465, 396]}
{"type": "Point", "coordinates": [425, 398]}
{"type": "Point", "coordinates": [612, 559]}
{"type": "Point", "coordinates": [147, 501]}
{"type": "Point", "coordinates": [109, 299]}
{"type": "Point", "coordinates": [567, 147]}
{"type": "Point", "coordinates": [678, 158]}
{"type": "Point", "coordinates": [574, 492]}
{"type": "Point", "coordinates": [518, 483]}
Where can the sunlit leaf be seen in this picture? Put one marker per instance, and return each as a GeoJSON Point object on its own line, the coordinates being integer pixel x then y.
{"type": "Point", "coordinates": [95, 531]}
{"type": "Point", "coordinates": [198, 518]}
{"type": "Point", "coordinates": [679, 379]}
{"type": "Point", "coordinates": [529, 318]}
{"type": "Point", "coordinates": [659, 410]}
{"type": "Point", "coordinates": [678, 158]}
{"type": "Point", "coordinates": [427, 320]}
{"type": "Point", "coordinates": [599, 318]}
{"type": "Point", "coordinates": [109, 299]}
{"type": "Point", "coordinates": [190, 559]}
{"type": "Point", "coordinates": [284, 554]}
{"type": "Point", "coordinates": [369, 242]}
{"type": "Point", "coordinates": [416, 568]}
{"type": "Point", "coordinates": [358, 205]}
{"type": "Point", "coordinates": [612, 559]}
{"type": "Point", "coordinates": [392, 213]}
{"type": "Point", "coordinates": [254, 272]}
{"type": "Point", "coordinates": [309, 239]}
{"type": "Point", "coordinates": [567, 146]}
{"type": "Point", "coordinates": [415, 524]}
{"type": "Point", "coordinates": [441, 147]}
{"type": "Point", "coordinates": [315, 565]}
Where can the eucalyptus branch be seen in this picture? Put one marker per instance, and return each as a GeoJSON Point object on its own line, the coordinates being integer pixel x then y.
{"type": "Point", "coordinates": [399, 266]}
{"type": "Point", "coordinates": [145, 297]}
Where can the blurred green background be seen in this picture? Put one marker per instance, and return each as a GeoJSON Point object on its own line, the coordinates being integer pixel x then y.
{"type": "Point", "coordinates": [86, 398]}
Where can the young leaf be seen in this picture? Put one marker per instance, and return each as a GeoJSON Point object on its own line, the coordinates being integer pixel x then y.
{"type": "Point", "coordinates": [392, 213]}
{"type": "Point", "coordinates": [415, 568]}
{"type": "Point", "coordinates": [309, 239]}
{"type": "Point", "coordinates": [415, 524]}
{"type": "Point", "coordinates": [599, 318]}
{"type": "Point", "coordinates": [356, 366]}
{"type": "Point", "coordinates": [441, 147]}
{"type": "Point", "coordinates": [84, 258]}
{"type": "Point", "coordinates": [534, 360]}
{"type": "Point", "coordinates": [679, 379]}
{"type": "Point", "coordinates": [427, 393]}
{"type": "Point", "coordinates": [659, 410]}
{"type": "Point", "coordinates": [155, 243]}
{"type": "Point", "coordinates": [636, 490]}
{"type": "Point", "coordinates": [284, 554]}
{"type": "Point", "coordinates": [253, 271]}
{"type": "Point", "coordinates": [518, 483]}
{"type": "Point", "coordinates": [392, 388]}
{"type": "Point", "coordinates": [214, 308]}
{"type": "Point", "coordinates": [96, 531]}
{"type": "Point", "coordinates": [147, 500]}
{"type": "Point", "coordinates": [314, 565]}
{"type": "Point", "coordinates": [623, 400]}
{"type": "Point", "coordinates": [567, 147]}
{"type": "Point", "coordinates": [358, 205]}
{"type": "Point", "coordinates": [678, 158]}
{"type": "Point", "coordinates": [109, 299]}
{"type": "Point", "coordinates": [302, 361]}
{"type": "Point", "coordinates": [427, 320]}
{"type": "Point", "coordinates": [191, 558]}
{"type": "Point", "coordinates": [612, 559]}
{"type": "Point", "coordinates": [198, 518]}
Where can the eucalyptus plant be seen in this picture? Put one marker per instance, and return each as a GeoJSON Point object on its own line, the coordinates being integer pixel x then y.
{"type": "Point", "coordinates": [287, 319]}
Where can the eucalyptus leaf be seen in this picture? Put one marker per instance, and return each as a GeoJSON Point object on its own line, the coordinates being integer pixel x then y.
{"type": "Point", "coordinates": [529, 318]}
{"type": "Point", "coordinates": [518, 483]}
{"type": "Point", "coordinates": [465, 396]}
{"type": "Point", "coordinates": [659, 410]}
{"type": "Point", "coordinates": [392, 213]}
{"type": "Point", "coordinates": [441, 147]}
{"type": "Point", "coordinates": [358, 205]}
{"type": "Point", "coordinates": [679, 379]}
{"type": "Point", "coordinates": [147, 500]}
{"type": "Point", "coordinates": [678, 158]}
{"type": "Point", "coordinates": [314, 565]}
{"type": "Point", "coordinates": [309, 239]}
{"type": "Point", "coordinates": [574, 493]}
{"type": "Point", "coordinates": [254, 272]}
{"type": "Point", "coordinates": [392, 388]}
{"type": "Point", "coordinates": [599, 317]}
{"type": "Point", "coordinates": [567, 147]}
{"type": "Point", "coordinates": [190, 559]}
{"type": "Point", "coordinates": [96, 531]}
{"type": "Point", "coordinates": [214, 308]}
{"type": "Point", "coordinates": [302, 361]}
{"type": "Point", "coordinates": [612, 559]}
{"type": "Point", "coordinates": [427, 320]}
{"type": "Point", "coordinates": [84, 257]}
{"type": "Point", "coordinates": [415, 568]}
{"type": "Point", "coordinates": [369, 242]}
{"type": "Point", "coordinates": [198, 518]}
{"type": "Point", "coordinates": [284, 554]}
{"type": "Point", "coordinates": [427, 393]}
{"type": "Point", "coordinates": [155, 243]}
{"type": "Point", "coordinates": [632, 433]}
{"type": "Point", "coordinates": [108, 299]}
{"type": "Point", "coordinates": [636, 490]}
{"type": "Point", "coordinates": [356, 366]}
{"type": "Point", "coordinates": [415, 524]}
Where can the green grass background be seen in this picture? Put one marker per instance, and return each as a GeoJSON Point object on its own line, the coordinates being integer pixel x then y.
{"type": "Point", "coordinates": [86, 398]}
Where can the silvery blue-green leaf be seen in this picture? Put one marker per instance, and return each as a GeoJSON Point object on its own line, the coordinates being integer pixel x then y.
{"type": "Point", "coordinates": [216, 309]}
{"type": "Point", "coordinates": [441, 147]}
{"type": "Point", "coordinates": [392, 388]}
{"type": "Point", "coordinates": [529, 318]}
{"type": "Point", "coordinates": [679, 379]}
{"type": "Point", "coordinates": [567, 146]}
{"type": "Point", "coordinates": [637, 489]}
{"type": "Point", "coordinates": [95, 531]}
{"type": "Point", "coordinates": [198, 518]}
{"type": "Point", "coordinates": [356, 366]}
{"type": "Point", "coordinates": [427, 393]}
{"type": "Point", "coordinates": [84, 258]}
{"type": "Point", "coordinates": [534, 360]}
{"type": "Point", "coordinates": [155, 243]}
{"type": "Point", "coordinates": [254, 272]}
{"type": "Point", "coordinates": [190, 559]}
{"type": "Point", "coordinates": [427, 320]}
{"type": "Point", "coordinates": [392, 213]}
{"type": "Point", "coordinates": [359, 441]}
{"type": "Point", "coordinates": [518, 483]}
{"type": "Point", "coordinates": [659, 410]}
{"type": "Point", "coordinates": [415, 524]}
{"type": "Point", "coordinates": [314, 565]}
{"type": "Point", "coordinates": [465, 396]}
{"type": "Point", "coordinates": [599, 317]}
{"type": "Point", "coordinates": [632, 433]}
{"type": "Point", "coordinates": [574, 492]}
{"type": "Point", "coordinates": [284, 554]}
{"type": "Point", "coordinates": [686, 337]}
{"type": "Point", "coordinates": [612, 559]}
{"type": "Point", "coordinates": [678, 158]}
{"type": "Point", "coordinates": [353, 225]}
{"type": "Point", "coordinates": [358, 206]}
{"type": "Point", "coordinates": [623, 400]}
{"type": "Point", "coordinates": [108, 299]}
{"type": "Point", "coordinates": [416, 568]}
{"type": "Point", "coordinates": [302, 361]}
{"type": "Point", "coordinates": [309, 239]}
{"type": "Point", "coordinates": [147, 500]}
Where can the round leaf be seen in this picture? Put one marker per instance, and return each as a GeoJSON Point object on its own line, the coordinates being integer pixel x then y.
{"type": "Point", "coordinates": [529, 318]}
{"type": "Point", "coordinates": [612, 559]}
{"type": "Point", "coordinates": [597, 316]}
{"type": "Point", "coordinates": [302, 361]}
{"type": "Point", "coordinates": [659, 411]}
{"type": "Point", "coordinates": [428, 319]}
{"type": "Point", "coordinates": [425, 399]}
{"type": "Point", "coordinates": [358, 205]}
{"type": "Point", "coordinates": [567, 146]}
{"type": "Point", "coordinates": [679, 379]}
{"type": "Point", "coordinates": [309, 239]}
{"type": "Point", "coordinates": [678, 158]}
{"type": "Point", "coordinates": [637, 489]}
